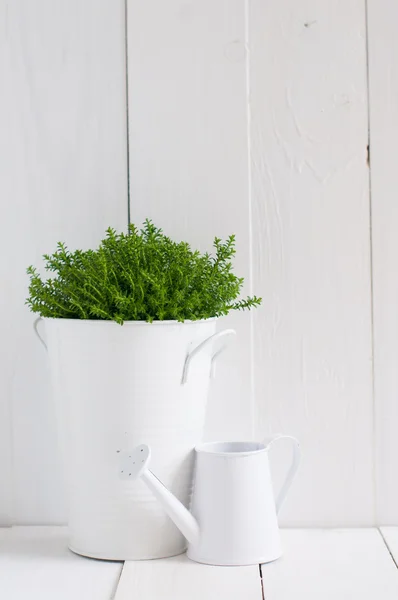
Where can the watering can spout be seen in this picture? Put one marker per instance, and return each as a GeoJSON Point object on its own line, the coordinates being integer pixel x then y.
{"type": "Point", "coordinates": [177, 512]}
{"type": "Point", "coordinates": [134, 464]}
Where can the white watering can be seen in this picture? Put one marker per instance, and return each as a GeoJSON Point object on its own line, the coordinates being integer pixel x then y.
{"type": "Point", "coordinates": [234, 514]}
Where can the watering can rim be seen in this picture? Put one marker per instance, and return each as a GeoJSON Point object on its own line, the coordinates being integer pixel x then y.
{"type": "Point", "coordinates": [251, 448]}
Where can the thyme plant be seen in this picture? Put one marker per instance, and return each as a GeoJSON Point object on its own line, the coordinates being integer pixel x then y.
{"type": "Point", "coordinates": [138, 276]}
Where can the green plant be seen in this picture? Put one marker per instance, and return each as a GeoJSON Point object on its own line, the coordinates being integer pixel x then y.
{"type": "Point", "coordinates": [140, 276]}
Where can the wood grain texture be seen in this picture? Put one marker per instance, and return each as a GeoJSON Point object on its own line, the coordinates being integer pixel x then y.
{"type": "Point", "coordinates": [311, 250]}
{"type": "Point", "coordinates": [35, 563]}
{"type": "Point", "coordinates": [188, 154]}
{"type": "Point", "coordinates": [383, 98]}
{"type": "Point", "coordinates": [6, 475]}
{"type": "Point", "coordinates": [63, 176]}
{"type": "Point", "coordinates": [390, 535]}
{"type": "Point", "coordinates": [179, 578]}
{"type": "Point", "coordinates": [345, 564]}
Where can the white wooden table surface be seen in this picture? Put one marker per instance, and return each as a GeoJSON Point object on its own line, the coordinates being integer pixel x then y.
{"type": "Point", "coordinates": [347, 564]}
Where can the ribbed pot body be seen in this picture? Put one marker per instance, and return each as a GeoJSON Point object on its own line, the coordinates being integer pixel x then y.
{"type": "Point", "coordinates": [116, 387]}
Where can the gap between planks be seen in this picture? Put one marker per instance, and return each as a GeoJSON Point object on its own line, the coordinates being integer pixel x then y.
{"type": "Point", "coordinates": [390, 538]}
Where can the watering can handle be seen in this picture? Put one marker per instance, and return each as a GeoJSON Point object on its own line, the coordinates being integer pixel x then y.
{"type": "Point", "coordinates": [293, 467]}
{"type": "Point", "coordinates": [195, 351]}
{"type": "Point", "coordinates": [36, 330]}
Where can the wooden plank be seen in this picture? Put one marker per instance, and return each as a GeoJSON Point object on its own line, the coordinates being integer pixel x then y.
{"type": "Point", "coordinates": [311, 251]}
{"type": "Point", "coordinates": [35, 563]}
{"type": "Point", "coordinates": [390, 535]}
{"type": "Point", "coordinates": [188, 154]}
{"type": "Point", "coordinates": [383, 99]}
{"type": "Point", "coordinates": [6, 503]}
{"type": "Point", "coordinates": [179, 578]}
{"type": "Point", "coordinates": [345, 564]}
{"type": "Point", "coordinates": [63, 177]}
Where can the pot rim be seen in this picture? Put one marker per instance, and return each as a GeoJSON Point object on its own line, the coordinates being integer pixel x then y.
{"type": "Point", "coordinates": [237, 448]}
{"type": "Point", "coordinates": [108, 322]}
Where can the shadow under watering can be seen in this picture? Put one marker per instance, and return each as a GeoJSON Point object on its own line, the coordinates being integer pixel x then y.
{"type": "Point", "coordinates": [233, 518]}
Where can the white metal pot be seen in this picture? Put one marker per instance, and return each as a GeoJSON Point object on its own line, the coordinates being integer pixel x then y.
{"type": "Point", "coordinates": [116, 387]}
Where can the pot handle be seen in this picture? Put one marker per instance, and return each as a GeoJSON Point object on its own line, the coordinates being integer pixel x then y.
{"type": "Point", "coordinates": [293, 467]}
{"type": "Point", "coordinates": [195, 351]}
{"type": "Point", "coordinates": [36, 330]}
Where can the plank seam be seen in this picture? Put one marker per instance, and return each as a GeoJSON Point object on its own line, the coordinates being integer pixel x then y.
{"type": "Point", "coordinates": [372, 331]}
{"type": "Point", "coordinates": [388, 547]}
{"type": "Point", "coordinates": [253, 408]}
{"type": "Point", "coordinates": [126, 50]}
{"type": "Point", "coordinates": [113, 596]}
{"type": "Point", "coordinates": [262, 582]}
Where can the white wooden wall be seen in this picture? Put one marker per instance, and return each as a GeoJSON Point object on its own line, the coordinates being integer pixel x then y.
{"type": "Point", "coordinates": [383, 98]}
{"type": "Point", "coordinates": [311, 256]}
{"type": "Point", "coordinates": [244, 116]}
{"type": "Point", "coordinates": [63, 176]}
